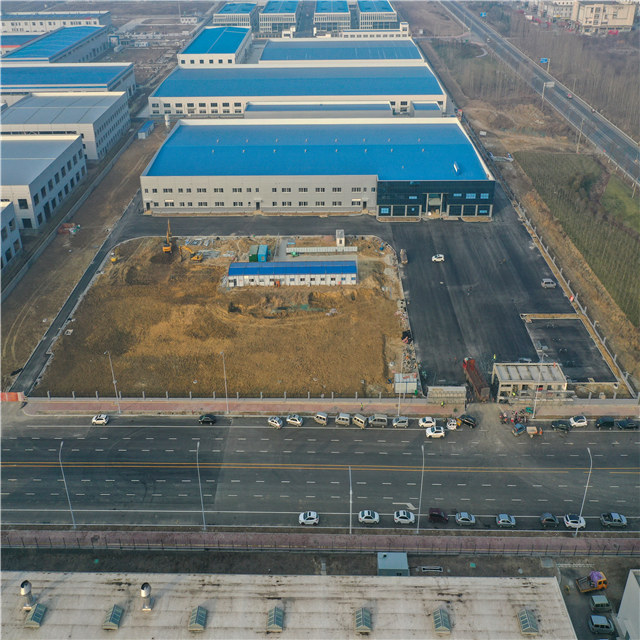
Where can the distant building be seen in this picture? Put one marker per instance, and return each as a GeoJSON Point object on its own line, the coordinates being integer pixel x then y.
{"type": "Point", "coordinates": [237, 14]}
{"type": "Point", "coordinates": [376, 14]}
{"type": "Point", "coordinates": [43, 21]}
{"type": "Point", "coordinates": [216, 46]}
{"type": "Point", "coordinates": [278, 15]}
{"type": "Point", "coordinates": [293, 273]}
{"type": "Point", "coordinates": [599, 18]}
{"type": "Point", "coordinates": [38, 173]}
{"type": "Point", "coordinates": [332, 15]}
{"type": "Point", "coordinates": [11, 241]}
{"type": "Point", "coordinates": [556, 9]}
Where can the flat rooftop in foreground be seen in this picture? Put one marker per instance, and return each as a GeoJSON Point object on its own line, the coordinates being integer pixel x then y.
{"type": "Point", "coordinates": [318, 607]}
{"type": "Point", "coordinates": [374, 6]}
{"type": "Point", "coordinates": [54, 43]}
{"type": "Point", "coordinates": [281, 6]}
{"type": "Point", "coordinates": [217, 40]}
{"type": "Point", "coordinates": [341, 49]}
{"type": "Point", "coordinates": [237, 7]}
{"type": "Point", "coordinates": [61, 76]}
{"type": "Point", "coordinates": [398, 150]}
{"type": "Point", "coordinates": [332, 6]}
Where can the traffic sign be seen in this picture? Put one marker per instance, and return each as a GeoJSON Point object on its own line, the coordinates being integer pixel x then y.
{"type": "Point", "coordinates": [544, 60]}
{"type": "Point", "coordinates": [483, 14]}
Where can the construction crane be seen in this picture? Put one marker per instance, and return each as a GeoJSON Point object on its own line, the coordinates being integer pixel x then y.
{"type": "Point", "coordinates": [195, 256]}
{"type": "Point", "coordinates": [167, 245]}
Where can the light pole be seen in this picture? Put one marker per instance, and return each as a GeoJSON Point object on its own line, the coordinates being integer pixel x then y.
{"type": "Point", "coordinates": [204, 522]}
{"type": "Point", "coordinates": [535, 398]}
{"type": "Point", "coordinates": [584, 497]}
{"type": "Point", "coordinates": [113, 377]}
{"type": "Point", "coordinates": [421, 483]}
{"type": "Point", "coordinates": [224, 368]}
{"type": "Point", "coordinates": [350, 501]}
{"type": "Point", "coordinates": [73, 520]}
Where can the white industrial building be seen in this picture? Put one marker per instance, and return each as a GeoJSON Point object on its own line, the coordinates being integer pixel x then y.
{"type": "Point", "coordinates": [277, 16]}
{"type": "Point", "coordinates": [39, 172]}
{"type": "Point", "coordinates": [528, 380]}
{"type": "Point", "coordinates": [376, 14]}
{"type": "Point", "coordinates": [236, 14]}
{"type": "Point", "coordinates": [629, 611]}
{"type": "Point", "coordinates": [331, 15]}
{"type": "Point", "coordinates": [99, 118]}
{"type": "Point", "coordinates": [216, 46]}
{"type": "Point", "coordinates": [286, 111]}
{"type": "Point", "coordinates": [43, 21]}
{"type": "Point", "coordinates": [293, 273]}
{"type": "Point", "coordinates": [11, 241]}
{"type": "Point", "coordinates": [401, 31]}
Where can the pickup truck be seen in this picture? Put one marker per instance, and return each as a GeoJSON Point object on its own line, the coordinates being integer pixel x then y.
{"type": "Point", "coordinates": [593, 582]}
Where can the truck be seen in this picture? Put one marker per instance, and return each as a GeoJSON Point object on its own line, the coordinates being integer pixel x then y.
{"type": "Point", "coordinates": [595, 581]}
{"type": "Point", "coordinates": [476, 379]}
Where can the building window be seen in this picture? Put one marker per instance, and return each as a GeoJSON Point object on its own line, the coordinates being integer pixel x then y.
{"type": "Point", "coordinates": [4, 234]}
{"type": "Point", "coordinates": [484, 196]}
{"type": "Point", "coordinates": [36, 198]}
{"type": "Point", "coordinates": [201, 189]}
{"type": "Point", "coordinates": [470, 196]}
{"type": "Point", "coordinates": [336, 189]}
{"type": "Point", "coordinates": [286, 204]}
{"type": "Point", "coordinates": [238, 204]}
{"type": "Point", "coordinates": [219, 203]}
{"type": "Point", "coordinates": [188, 189]}
{"type": "Point", "coordinates": [303, 204]}
{"type": "Point", "coordinates": [457, 195]}
{"type": "Point", "coordinates": [154, 190]}
{"type": "Point", "coordinates": [356, 189]}
{"type": "Point", "coordinates": [274, 189]}
{"type": "Point", "coordinates": [202, 204]}
{"type": "Point", "coordinates": [337, 203]}
{"type": "Point", "coordinates": [43, 191]}
{"type": "Point", "coordinates": [274, 204]}
{"type": "Point", "coordinates": [57, 176]}
{"type": "Point", "coordinates": [319, 189]}
{"type": "Point", "coordinates": [303, 189]}
{"type": "Point", "coordinates": [22, 203]}
{"type": "Point", "coordinates": [319, 203]}
{"type": "Point", "coordinates": [167, 190]}
{"type": "Point", "coordinates": [179, 189]}
{"type": "Point", "coordinates": [286, 189]}
{"type": "Point", "coordinates": [236, 190]}
{"type": "Point", "coordinates": [168, 203]}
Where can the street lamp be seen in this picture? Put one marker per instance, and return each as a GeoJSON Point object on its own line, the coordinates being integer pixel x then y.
{"type": "Point", "coordinates": [350, 501]}
{"type": "Point", "coordinates": [73, 520]}
{"type": "Point", "coordinates": [535, 398]}
{"type": "Point", "coordinates": [204, 522]}
{"type": "Point", "coordinates": [224, 368]}
{"type": "Point", "coordinates": [113, 377]}
{"type": "Point", "coordinates": [421, 483]}
{"type": "Point", "coordinates": [584, 497]}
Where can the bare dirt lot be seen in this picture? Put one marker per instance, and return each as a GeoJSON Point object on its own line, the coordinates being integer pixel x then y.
{"type": "Point", "coordinates": [166, 321]}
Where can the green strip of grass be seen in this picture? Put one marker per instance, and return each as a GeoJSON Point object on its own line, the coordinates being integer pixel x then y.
{"type": "Point", "coordinates": [617, 200]}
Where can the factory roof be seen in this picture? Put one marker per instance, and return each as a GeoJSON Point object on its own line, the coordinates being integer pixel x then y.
{"type": "Point", "coordinates": [341, 49]}
{"type": "Point", "coordinates": [53, 44]}
{"type": "Point", "coordinates": [61, 76]}
{"type": "Point", "coordinates": [375, 6]}
{"type": "Point", "coordinates": [318, 106]}
{"type": "Point", "coordinates": [257, 80]}
{"type": "Point", "coordinates": [53, 16]}
{"type": "Point", "coordinates": [426, 106]}
{"type": "Point", "coordinates": [281, 6]}
{"type": "Point", "coordinates": [237, 7]}
{"type": "Point", "coordinates": [332, 6]}
{"type": "Point", "coordinates": [60, 108]}
{"type": "Point", "coordinates": [292, 268]}
{"type": "Point", "coordinates": [16, 39]}
{"type": "Point", "coordinates": [217, 40]}
{"type": "Point", "coordinates": [392, 150]}
{"type": "Point", "coordinates": [24, 158]}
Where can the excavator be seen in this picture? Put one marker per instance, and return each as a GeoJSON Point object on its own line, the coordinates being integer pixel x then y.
{"type": "Point", "coordinates": [167, 245]}
{"type": "Point", "coordinates": [195, 256]}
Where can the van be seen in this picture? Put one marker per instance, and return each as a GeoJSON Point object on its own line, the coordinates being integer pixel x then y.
{"type": "Point", "coordinates": [343, 419]}
{"type": "Point", "coordinates": [548, 283]}
{"type": "Point", "coordinates": [599, 604]}
{"type": "Point", "coordinates": [321, 418]}
{"type": "Point", "coordinates": [359, 420]}
{"type": "Point", "coordinates": [378, 420]}
{"type": "Point", "coordinates": [601, 624]}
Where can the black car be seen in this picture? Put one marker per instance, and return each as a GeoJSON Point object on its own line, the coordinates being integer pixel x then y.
{"type": "Point", "coordinates": [561, 425]}
{"type": "Point", "coordinates": [627, 423]}
{"type": "Point", "coordinates": [606, 422]}
{"type": "Point", "coordinates": [467, 420]}
{"type": "Point", "coordinates": [207, 418]}
{"type": "Point", "coordinates": [438, 515]}
{"type": "Point", "coordinates": [549, 521]}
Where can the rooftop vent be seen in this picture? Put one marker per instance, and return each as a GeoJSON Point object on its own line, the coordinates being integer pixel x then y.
{"type": "Point", "coordinates": [275, 620]}
{"type": "Point", "coordinates": [25, 590]}
{"type": "Point", "coordinates": [112, 619]}
{"type": "Point", "coordinates": [35, 616]}
{"type": "Point", "coordinates": [456, 168]}
{"type": "Point", "coordinates": [198, 619]}
{"type": "Point", "coordinates": [528, 622]}
{"type": "Point", "coordinates": [441, 621]}
{"type": "Point", "coordinates": [145, 594]}
{"type": "Point", "coordinates": [363, 621]}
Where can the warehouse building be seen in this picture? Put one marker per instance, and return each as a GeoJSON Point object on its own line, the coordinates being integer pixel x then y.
{"type": "Point", "coordinates": [71, 44]}
{"type": "Point", "coordinates": [293, 274]}
{"type": "Point", "coordinates": [376, 14]}
{"type": "Point", "coordinates": [39, 172]}
{"type": "Point", "coordinates": [216, 46]}
{"type": "Point", "coordinates": [395, 168]}
{"type": "Point", "coordinates": [226, 91]}
{"type": "Point", "coordinates": [99, 118]}
{"type": "Point", "coordinates": [43, 21]}
{"type": "Point", "coordinates": [237, 14]}
{"type": "Point", "coordinates": [277, 16]}
{"type": "Point", "coordinates": [21, 79]}
{"type": "Point", "coordinates": [12, 42]}
{"type": "Point", "coordinates": [11, 241]}
{"type": "Point", "coordinates": [331, 15]}
{"type": "Point", "coordinates": [286, 111]}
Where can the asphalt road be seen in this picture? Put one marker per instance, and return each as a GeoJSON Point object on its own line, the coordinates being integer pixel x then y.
{"type": "Point", "coordinates": [144, 471]}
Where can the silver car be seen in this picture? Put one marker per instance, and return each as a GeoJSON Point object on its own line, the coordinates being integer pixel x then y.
{"type": "Point", "coordinates": [465, 519]}
{"type": "Point", "coordinates": [295, 420]}
{"type": "Point", "coordinates": [275, 422]}
{"type": "Point", "coordinates": [505, 521]}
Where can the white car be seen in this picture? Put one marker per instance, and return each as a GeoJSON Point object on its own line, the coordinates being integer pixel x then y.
{"type": "Point", "coordinates": [368, 517]}
{"type": "Point", "coordinates": [505, 521]}
{"type": "Point", "coordinates": [101, 418]}
{"type": "Point", "coordinates": [427, 421]}
{"type": "Point", "coordinates": [465, 519]}
{"type": "Point", "coordinates": [573, 521]}
{"type": "Point", "coordinates": [578, 421]}
{"type": "Point", "coordinates": [308, 517]}
{"type": "Point", "coordinates": [435, 432]}
{"type": "Point", "coordinates": [452, 424]}
{"type": "Point", "coordinates": [295, 420]}
{"type": "Point", "coordinates": [275, 422]}
{"type": "Point", "coordinates": [404, 517]}
{"type": "Point", "coordinates": [437, 258]}
{"type": "Point", "coordinates": [400, 422]}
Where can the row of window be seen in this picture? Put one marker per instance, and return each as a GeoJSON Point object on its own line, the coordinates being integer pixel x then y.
{"type": "Point", "coordinates": [8, 254]}
{"type": "Point", "coordinates": [274, 203]}
{"type": "Point", "coordinates": [211, 61]}
{"type": "Point", "coordinates": [257, 190]}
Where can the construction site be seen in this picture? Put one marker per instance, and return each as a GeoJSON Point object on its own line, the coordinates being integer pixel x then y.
{"type": "Point", "coordinates": [162, 310]}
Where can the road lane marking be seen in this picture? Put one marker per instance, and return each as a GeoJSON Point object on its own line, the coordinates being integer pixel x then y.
{"type": "Point", "coordinates": [121, 450]}
{"type": "Point", "coordinates": [285, 481]}
{"type": "Point", "coordinates": [86, 480]}
{"type": "Point", "coordinates": [262, 481]}
{"type": "Point", "coordinates": [283, 496]}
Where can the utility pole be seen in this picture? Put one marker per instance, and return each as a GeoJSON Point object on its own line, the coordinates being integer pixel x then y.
{"type": "Point", "coordinates": [113, 378]}
{"type": "Point", "coordinates": [584, 497]}
{"type": "Point", "coordinates": [579, 136]}
{"type": "Point", "coordinates": [204, 522]}
{"type": "Point", "coordinates": [224, 368]}
{"type": "Point", "coordinates": [64, 480]}
{"type": "Point", "coordinates": [421, 484]}
{"type": "Point", "coordinates": [350, 501]}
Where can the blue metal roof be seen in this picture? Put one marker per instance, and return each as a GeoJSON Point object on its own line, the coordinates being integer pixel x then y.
{"type": "Point", "coordinates": [237, 7]}
{"type": "Point", "coordinates": [318, 106]}
{"type": "Point", "coordinates": [16, 39]}
{"type": "Point", "coordinates": [332, 6]}
{"type": "Point", "coordinates": [321, 267]}
{"type": "Point", "coordinates": [374, 6]}
{"type": "Point", "coordinates": [217, 40]}
{"type": "Point", "coordinates": [62, 76]}
{"type": "Point", "coordinates": [281, 6]}
{"type": "Point", "coordinates": [149, 125]}
{"type": "Point", "coordinates": [403, 150]}
{"type": "Point", "coordinates": [247, 80]}
{"type": "Point", "coordinates": [54, 43]}
{"type": "Point", "coordinates": [426, 106]}
{"type": "Point", "coordinates": [368, 49]}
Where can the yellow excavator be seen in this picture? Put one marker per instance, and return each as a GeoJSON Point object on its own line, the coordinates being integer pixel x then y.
{"type": "Point", "coordinates": [196, 256]}
{"type": "Point", "coordinates": [167, 245]}
{"type": "Point", "coordinates": [114, 255]}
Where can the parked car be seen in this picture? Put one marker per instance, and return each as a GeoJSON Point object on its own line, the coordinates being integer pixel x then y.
{"type": "Point", "coordinates": [275, 422]}
{"type": "Point", "coordinates": [549, 521]}
{"type": "Point", "coordinates": [309, 517]}
{"type": "Point", "coordinates": [548, 283]}
{"type": "Point", "coordinates": [295, 420]}
{"type": "Point", "coordinates": [574, 521]}
{"type": "Point", "coordinates": [561, 425]}
{"type": "Point", "coordinates": [368, 517]}
{"type": "Point", "coordinates": [400, 422]}
{"type": "Point", "coordinates": [465, 519]}
{"type": "Point", "coordinates": [613, 520]}
{"type": "Point", "coordinates": [627, 423]}
{"type": "Point", "coordinates": [518, 429]}
{"type": "Point", "coordinates": [578, 421]}
{"type": "Point", "coordinates": [404, 517]}
{"type": "Point", "coordinates": [601, 625]}
{"type": "Point", "coordinates": [452, 424]}
{"type": "Point", "coordinates": [101, 418]}
{"type": "Point", "coordinates": [605, 422]}
{"type": "Point", "coordinates": [427, 421]}
{"type": "Point", "coordinates": [207, 418]}
{"type": "Point", "coordinates": [437, 258]}
{"type": "Point", "coordinates": [569, 96]}
{"type": "Point", "coordinates": [438, 515]}
{"type": "Point", "coordinates": [505, 521]}
{"type": "Point", "coordinates": [435, 432]}
{"type": "Point", "coordinates": [467, 420]}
